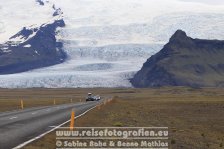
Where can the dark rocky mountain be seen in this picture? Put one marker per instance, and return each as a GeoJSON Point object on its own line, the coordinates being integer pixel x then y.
{"type": "Point", "coordinates": [39, 48]}
{"type": "Point", "coordinates": [40, 2]}
{"type": "Point", "coordinates": [184, 62]}
{"type": "Point", "coordinates": [57, 12]}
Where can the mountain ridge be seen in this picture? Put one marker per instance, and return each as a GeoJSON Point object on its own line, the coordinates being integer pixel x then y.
{"type": "Point", "coordinates": [37, 49]}
{"type": "Point", "coordinates": [184, 61]}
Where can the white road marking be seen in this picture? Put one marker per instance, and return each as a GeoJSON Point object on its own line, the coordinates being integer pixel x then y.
{"type": "Point", "coordinates": [52, 126]}
{"type": "Point", "coordinates": [34, 113]}
{"type": "Point", "coordinates": [40, 136]}
{"type": "Point", "coordinates": [48, 110]}
{"type": "Point", "coordinates": [11, 118]}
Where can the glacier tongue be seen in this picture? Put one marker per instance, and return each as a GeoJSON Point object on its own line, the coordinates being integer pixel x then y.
{"type": "Point", "coordinates": [126, 52]}
{"type": "Point", "coordinates": [109, 66]}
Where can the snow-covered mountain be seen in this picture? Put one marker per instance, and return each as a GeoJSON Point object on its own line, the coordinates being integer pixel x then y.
{"type": "Point", "coordinates": [33, 47]}
{"type": "Point", "coordinates": [106, 41]}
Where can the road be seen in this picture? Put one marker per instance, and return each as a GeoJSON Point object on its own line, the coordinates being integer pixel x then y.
{"type": "Point", "coordinates": [20, 126]}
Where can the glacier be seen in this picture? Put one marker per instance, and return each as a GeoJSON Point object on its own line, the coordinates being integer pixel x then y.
{"type": "Point", "coordinates": [106, 41]}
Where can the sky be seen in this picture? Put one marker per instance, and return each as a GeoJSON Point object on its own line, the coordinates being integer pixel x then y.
{"type": "Point", "coordinates": [211, 2]}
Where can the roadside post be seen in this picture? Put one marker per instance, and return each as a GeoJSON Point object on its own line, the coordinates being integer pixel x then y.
{"type": "Point", "coordinates": [21, 104]}
{"type": "Point", "coordinates": [72, 120]}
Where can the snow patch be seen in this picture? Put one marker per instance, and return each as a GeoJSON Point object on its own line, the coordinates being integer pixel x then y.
{"type": "Point", "coordinates": [36, 52]}
{"type": "Point", "coordinates": [27, 46]}
{"type": "Point", "coordinates": [6, 50]}
{"type": "Point", "coordinates": [18, 14]}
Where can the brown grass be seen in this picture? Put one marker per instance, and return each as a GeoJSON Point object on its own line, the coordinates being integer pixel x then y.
{"type": "Point", "coordinates": [194, 116]}
{"type": "Point", "coordinates": [10, 98]}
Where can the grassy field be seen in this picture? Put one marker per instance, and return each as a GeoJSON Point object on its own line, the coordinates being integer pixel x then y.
{"type": "Point", "coordinates": [194, 116]}
{"type": "Point", "coordinates": [10, 99]}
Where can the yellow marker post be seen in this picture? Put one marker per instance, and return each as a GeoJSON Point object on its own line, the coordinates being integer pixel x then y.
{"type": "Point", "coordinates": [71, 100]}
{"type": "Point", "coordinates": [21, 104]}
{"type": "Point", "coordinates": [54, 102]}
{"type": "Point", "coordinates": [72, 120]}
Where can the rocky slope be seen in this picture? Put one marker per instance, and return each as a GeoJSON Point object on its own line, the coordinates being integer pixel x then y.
{"type": "Point", "coordinates": [38, 48]}
{"type": "Point", "coordinates": [184, 62]}
{"type": "Point", "coordinates": [33, 47]}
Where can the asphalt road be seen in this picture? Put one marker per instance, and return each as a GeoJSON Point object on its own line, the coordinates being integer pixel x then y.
{"type": "Point", "coordinates": [17, 127]}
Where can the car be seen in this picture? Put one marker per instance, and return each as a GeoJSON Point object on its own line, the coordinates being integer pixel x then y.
{"type": "Point", "coordinates": [97, 97]}
{"type": "Point", "coordinates": [92, 98]}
